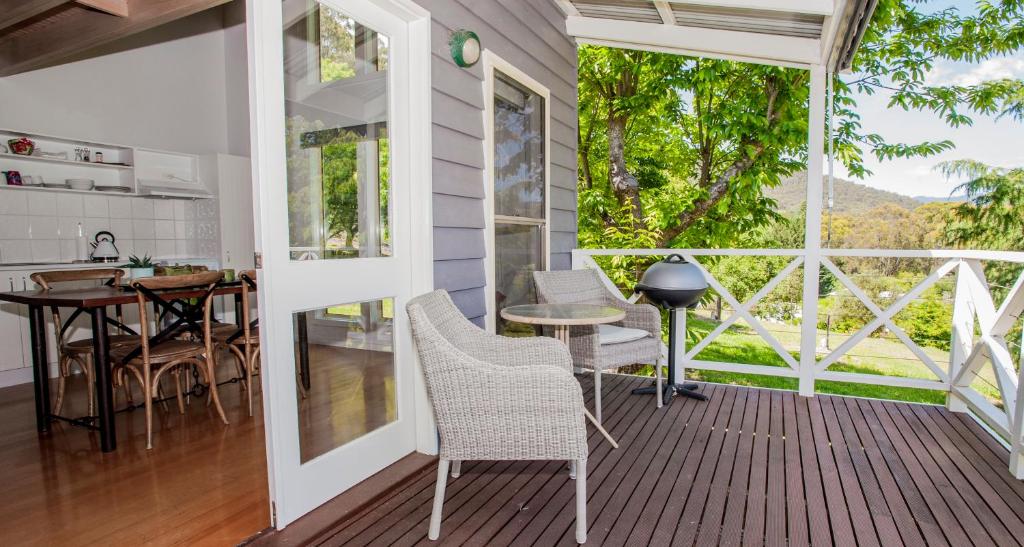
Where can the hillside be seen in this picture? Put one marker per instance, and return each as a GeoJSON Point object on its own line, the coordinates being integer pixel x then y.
{"type": "Point", "coordinates": [850, 197]}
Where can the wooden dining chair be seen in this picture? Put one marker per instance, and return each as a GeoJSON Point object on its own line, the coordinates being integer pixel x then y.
{"type": "Point", "coordinates": [244, 342]}
{"type": "Point", "coordinates": [160, 353]}
{"type": "Point", "coordinates": [79, 352]}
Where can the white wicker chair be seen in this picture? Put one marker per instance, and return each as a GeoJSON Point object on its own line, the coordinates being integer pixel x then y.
{"type": "Point", "coordinates": [497, 398]}
{"type": "Point", "coordinates": [589, 348]}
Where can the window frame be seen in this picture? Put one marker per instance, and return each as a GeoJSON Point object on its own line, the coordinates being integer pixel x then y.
{"type": "Point", "coordinates": [493, 63]}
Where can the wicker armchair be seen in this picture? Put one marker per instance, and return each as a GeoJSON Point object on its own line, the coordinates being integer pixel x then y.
{"type": "Point", "coordinates": [497, 398]}
{"type": "Point", "coordinates": [635, 340]}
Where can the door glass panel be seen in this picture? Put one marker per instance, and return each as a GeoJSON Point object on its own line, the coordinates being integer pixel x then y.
{"type": "Point", "coordinates": [518, 253]}
{"type": "Point", "coordinates": [518, 150]}
{"type": "Point", "coordinates": [344, 359]}
{"type": "Point", "coordinates": [336, 108]}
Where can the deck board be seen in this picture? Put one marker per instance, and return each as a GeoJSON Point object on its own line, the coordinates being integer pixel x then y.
{"type": "Point", "coordinates": [750, 466]}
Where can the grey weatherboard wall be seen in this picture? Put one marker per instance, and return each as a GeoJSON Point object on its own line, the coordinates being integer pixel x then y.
{"type": "Point", "coordinates": [529, 34]}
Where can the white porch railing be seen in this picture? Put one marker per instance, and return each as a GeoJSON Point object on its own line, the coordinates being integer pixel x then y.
{"type": "Point", "coordinates": [969, 352]}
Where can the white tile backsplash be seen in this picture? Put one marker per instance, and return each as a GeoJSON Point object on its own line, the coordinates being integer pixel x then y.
{"type": "Point", "coordinates": [97, 206]}
{"type": "Point", "coordinates": [166, 248]}
{"type": "Point", "coordinates": [45, 250]}
{"type": "Point", "coordinates": [122, 228]}
{"type": "Point", "coordinates": [120, 207]}
{"type": "Point", "coordinates": [142, 208]}
{"type": "Point", "coordinates": [69, 205]}
{"type": "Point", "coordinates": [42, 203]}
{"type": "Point", "coordinates": [15, 250]}
{"type": "Point", "coordinates": [13, 202]}
{"type": "Point", "coordinates": [13, 227]}
{"type": "Point", "coordinates": [43, 228]}
{"type": "Point", "coordinates": [143, 229]}
{"type": "Point", "coordinates": [163, 209]}
{"type": "Point", "coordinates": [164, 229]}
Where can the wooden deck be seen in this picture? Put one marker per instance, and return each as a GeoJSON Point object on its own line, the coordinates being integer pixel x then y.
{"type": "Point", "coordinates": [748, 467]}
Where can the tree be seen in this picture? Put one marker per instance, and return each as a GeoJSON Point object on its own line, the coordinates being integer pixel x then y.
{"type": "Point", "coordinates": [682, 148]}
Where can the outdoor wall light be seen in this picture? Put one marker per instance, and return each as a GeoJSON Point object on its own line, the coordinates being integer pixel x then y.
{"type": "Point", "coordinates": [465, 46]}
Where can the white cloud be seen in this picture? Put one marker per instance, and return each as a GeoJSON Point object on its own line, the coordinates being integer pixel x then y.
{"type": "Point", "coordinates": [971, 74]}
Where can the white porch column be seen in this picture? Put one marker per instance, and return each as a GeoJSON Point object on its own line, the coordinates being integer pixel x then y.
{"type": "Point", "coordinates": [812, 236]}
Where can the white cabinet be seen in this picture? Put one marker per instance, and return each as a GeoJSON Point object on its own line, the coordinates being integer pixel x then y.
{"type": "Point", "coordinates": [234, 188]}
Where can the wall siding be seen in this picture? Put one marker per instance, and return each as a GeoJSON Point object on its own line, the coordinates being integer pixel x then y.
{"type": "Point", "coordinates": [530, 34]}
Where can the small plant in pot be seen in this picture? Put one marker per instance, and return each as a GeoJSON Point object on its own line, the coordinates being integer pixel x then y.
{"type": "Point", "coordinates": [137, 268]}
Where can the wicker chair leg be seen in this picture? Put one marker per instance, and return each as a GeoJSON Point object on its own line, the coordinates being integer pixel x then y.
{"type": "Point", "coordinates": [177, 387]}
{"type": "Point", "coordinates": [248, 375]}
{"type": "Point", "coordinates": [456, 468]}
{"type": "Point", "coordinates": [657, 381]}
{"type": "Point", "coordinates": [435, 515]}
{"type": "Point", "coordinates": [581, 501]}
{"type": "Point", "coordinates": [211, 377]}
{"type": "Point", "coordinates": [90, 383]}
{"type": "Point", "coordinates": [62, 374]}
{"type": "Point", "coordinates": [147, 392]}
{"type": "Point", "coordinates": [597, 394]}
{"type": "Point", "coordinates": [572, 469]}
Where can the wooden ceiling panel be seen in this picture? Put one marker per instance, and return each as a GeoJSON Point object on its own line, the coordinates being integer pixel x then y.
{"type": "Point", "coordinates": [48, 37]}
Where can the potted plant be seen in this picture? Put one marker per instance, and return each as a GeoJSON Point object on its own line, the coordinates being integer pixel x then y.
{"type": "Point", "coordinates": [137, 268]}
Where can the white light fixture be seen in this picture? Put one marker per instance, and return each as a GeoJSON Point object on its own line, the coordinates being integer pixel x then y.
{"type": "Point", "coordinates": [465, 45]}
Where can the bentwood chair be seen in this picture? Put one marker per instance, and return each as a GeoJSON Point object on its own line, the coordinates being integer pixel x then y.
{"type": "Point", "coordinates": [635, 340]}
{"type": "Point", "coordinates": [150, 358]}
{"type": "Point", "coordinates": [244, 342]}
{"type": "Point", "coordinates": [79, 352]}
{"type": "Point", "coordinates": [497, 398]}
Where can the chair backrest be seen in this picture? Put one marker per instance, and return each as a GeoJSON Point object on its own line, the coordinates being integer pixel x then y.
{"type": "Point", "coordinates": [47, 281]}
{"type": "Point", "coordinates": [570, 287]}
{"type": "Point", "coordinates": [145, 291]}
{"type": "Point", "coordinates": [444, 317]}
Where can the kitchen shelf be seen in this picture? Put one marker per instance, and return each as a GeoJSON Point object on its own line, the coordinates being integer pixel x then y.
{"type": "Point", "coordinates": [64, 162]}
{"type": "Point", "coordinates": [64, 190]}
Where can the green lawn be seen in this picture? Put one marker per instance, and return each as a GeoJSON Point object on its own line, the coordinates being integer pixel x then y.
{"type": "Point", "coordinates": [741, 344]}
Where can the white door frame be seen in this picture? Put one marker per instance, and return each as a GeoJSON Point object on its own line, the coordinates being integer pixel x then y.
{"type": "Point", "coordinates": [492, 62]}
{"type": "Point", "coordinates": [267, 132]}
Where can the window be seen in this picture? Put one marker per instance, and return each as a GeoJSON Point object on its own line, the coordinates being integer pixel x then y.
{"type": "Point", "coordinates": [519, 194]}
{"type": "Point", "coordinates": [336, 92]}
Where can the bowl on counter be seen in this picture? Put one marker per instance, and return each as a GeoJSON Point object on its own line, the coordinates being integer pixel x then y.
{"type": "Point", "coordinates": [80, 184]}
{"type": "Point", "coordinates": [22, 146]}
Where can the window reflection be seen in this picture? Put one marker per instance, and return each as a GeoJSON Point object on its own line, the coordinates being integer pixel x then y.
{"type": "Point", "coordinates": [336, 104]}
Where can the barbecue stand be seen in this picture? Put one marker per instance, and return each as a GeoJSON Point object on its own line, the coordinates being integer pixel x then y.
{"type": "Point", "coordinates": [675, 285]}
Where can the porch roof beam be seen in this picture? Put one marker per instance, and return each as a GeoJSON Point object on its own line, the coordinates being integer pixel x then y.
{"type": "Point", "coordinates": [684, 40]}
{"type": "Point", "coordinates": [814, 7]}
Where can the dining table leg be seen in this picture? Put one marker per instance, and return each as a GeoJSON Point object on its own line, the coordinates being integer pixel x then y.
{"type": "Point", "coordinates": [238, 309]}
{"type": "Point", "coordinates": [104, 386]}
{"type": "Point", "coordinates": [303, 333]}
{"type": "Point", "coordinates": [40, 367]}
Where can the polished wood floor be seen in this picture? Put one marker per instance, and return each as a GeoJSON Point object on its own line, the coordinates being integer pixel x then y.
{"type": "Point", "coordinates": [203, 483]}
{"type": "Point", "coordinates": [750, 467]}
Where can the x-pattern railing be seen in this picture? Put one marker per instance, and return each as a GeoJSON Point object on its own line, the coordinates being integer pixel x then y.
{"type": "Point", "coordinates": [974, 311]}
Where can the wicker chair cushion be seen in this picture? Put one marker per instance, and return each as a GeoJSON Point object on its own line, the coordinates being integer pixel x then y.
{"type": "Point", "coordinates": [611, 334]}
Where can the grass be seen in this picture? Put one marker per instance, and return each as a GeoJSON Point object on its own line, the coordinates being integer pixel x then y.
{"type": "Point", "coordinates": [880, 356]}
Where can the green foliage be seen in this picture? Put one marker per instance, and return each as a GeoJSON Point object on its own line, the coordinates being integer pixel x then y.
{"type": "Point", "coordinates": [135, 262]}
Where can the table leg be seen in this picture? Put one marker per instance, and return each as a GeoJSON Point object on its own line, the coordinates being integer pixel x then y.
{"type": "Point", "coordinates": [40, 368]}
{"type": "Point", "coordinates": [238, 309]}
{"type": "Point", "coordinates": [104, 387]}
{"type": "Point", "coordinates": [303, 350]}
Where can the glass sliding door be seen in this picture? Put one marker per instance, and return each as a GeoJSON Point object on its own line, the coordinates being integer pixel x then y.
{"type": "Point", "coordinates": [519, 189]}
{"type": "Point", "coordinates": [335, 89]}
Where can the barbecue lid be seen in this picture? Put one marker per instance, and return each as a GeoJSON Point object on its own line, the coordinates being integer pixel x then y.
{"type": "Point", "coordinates": [673, 273]}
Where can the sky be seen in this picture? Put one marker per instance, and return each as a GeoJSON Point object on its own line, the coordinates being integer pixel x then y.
{"type": "Point", "coordinates": [995, 142]}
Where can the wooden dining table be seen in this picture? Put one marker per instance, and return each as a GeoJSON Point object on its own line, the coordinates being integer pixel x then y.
{"type": "Point", "coordinates": [93, 301]}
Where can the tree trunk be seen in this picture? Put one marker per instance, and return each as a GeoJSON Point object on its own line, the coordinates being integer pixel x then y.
{"type": "Point", "coordinates": [623, 183]}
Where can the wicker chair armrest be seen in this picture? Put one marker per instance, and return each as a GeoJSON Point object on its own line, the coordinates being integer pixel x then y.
{"type": "Point", "coordinates": [519, 352]}
{"type": "Point", "coordinates": [639, 316]}
{"type": "Point", "coordinates": [500, 413]}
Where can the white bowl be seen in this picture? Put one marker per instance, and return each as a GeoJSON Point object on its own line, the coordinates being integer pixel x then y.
{"type": "Point", "coordinates": [81, 184]}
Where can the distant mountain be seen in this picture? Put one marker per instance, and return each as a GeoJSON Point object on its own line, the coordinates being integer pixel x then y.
{"type": "Point", "coordinates": [947, 199]}
{"type": "Point", "coordinates": [850, 197]}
